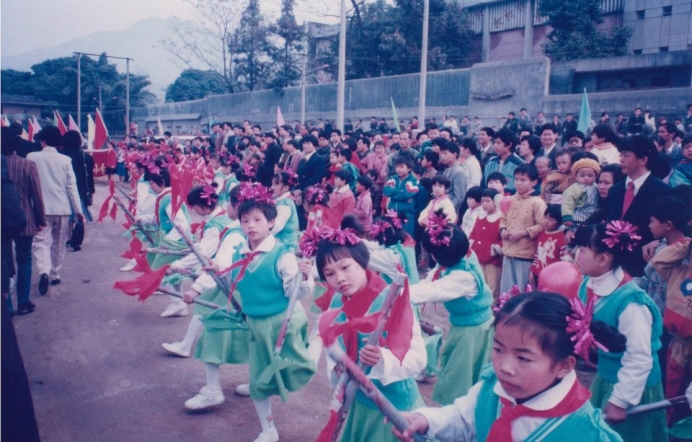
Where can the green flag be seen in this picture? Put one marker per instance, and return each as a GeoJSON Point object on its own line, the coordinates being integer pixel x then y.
{"type": "Point", "coordinates": [395, 117]}
{"type": "Point", "coordinates": [584, 114]}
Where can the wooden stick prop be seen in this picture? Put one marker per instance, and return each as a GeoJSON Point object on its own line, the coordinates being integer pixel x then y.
{"type": "Point", "coordinates": [131, 199]}
{"type": "Point", "coordinates": [654, 406]}
{"type": "Point", "coordinates": [359, 378]}
{"type": "Point", "coordinates": [278, 363]}
{"type": "Point", "coordinates": [211, 305]}
{"type": "Point", "coordinates": [164, 251]}
{"type": "Point", "coordinates": [134, 221]}
{"type": "Point", "coordinates": [345, 390]}
{"type": "Point", "coordinates": [185, 272]}
{"type": "Point", "coordinates": [206, 262]}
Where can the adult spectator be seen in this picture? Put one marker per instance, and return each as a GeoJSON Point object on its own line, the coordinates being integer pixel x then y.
{"type": "Point", "coordinates": [405, 149]}
{"type": "Point", "coordinates": [512, 123]}
{"type": "Point", "coordinates": [25, 177]}
{"type": "Point", "coordinates": [72, 147]}
{"type": "Point", "coordinates": [688, 119]}
{"type": "Point", "coordinates": [620, 125]}
{"type": "Point", "coordinates": [60, 199]}
{"type": "Point", "coordinates": [529, 148]}
{"type": "Point", "coordinates": [449, 156]}
{"type": "Point", "coordinates": [568, 126]}
{"type": "Point", "coordinates": [272, 154]}
{"type": "Point", "coordinates": [24, 147]}
{"type": "Point", "coordinates": [635, 125]}
{"type": "Point", "coordinates": [524, 120]}
{"type": "Point", "coordinates": [602, 139]}
{"type": "Point", "coordinates": [548, 134]}
{"type": "Point", "coordinates": [485, 144]}
{"type": "Point", "coordinates": [505, 162]}
{"type": "Point", "coordinates": [631, 200]}
{"type": "Point", "coordinates": [666, 133]}
{"type": "Point", "coordinates": [539, 121]}
{"type": "Point", "coordinates": [475, 128]}
{"type": "Point", "coordinates": [610, 175]}
{"type": "Point", "coordinates": [470, 164]}
{"type": "Point", "coordinates": [292, 156]}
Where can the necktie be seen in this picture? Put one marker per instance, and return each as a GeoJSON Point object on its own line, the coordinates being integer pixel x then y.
{"type": "Point", "coordinates": [629, 197]}
{"type": "Point", "coordinates": [501, 430]}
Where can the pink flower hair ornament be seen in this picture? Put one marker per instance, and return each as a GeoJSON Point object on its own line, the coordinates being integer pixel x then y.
{"type": "Point", "coordinates": [340, 236]}
{"type": "Point", "coordinates": [309, 241]}
{"type": "Point", "coordinates": [437, 227]}
{"type": "Point", "coordinates": [379, 228]}
{"type": "Point", "coordinates": [394, 216]}
{"type": "Point", "coordinates": [248, 170]}
{"type": "Point", "coordinates": [255, 192]}
{"type": "Point", "coordinates": [209, 194]}
{"type": "Point", "coordinates": [621, 234]}
{"type": "Point", "coordinates": [579, 323]}
{"type": "Point", "coordinates": [506, 296]}
{"type": "Point", "coordinates": [318, 192]}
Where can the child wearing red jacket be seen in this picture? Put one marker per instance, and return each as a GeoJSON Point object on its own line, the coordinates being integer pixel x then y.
{"type": "Point", "coordinates": [486, 241]}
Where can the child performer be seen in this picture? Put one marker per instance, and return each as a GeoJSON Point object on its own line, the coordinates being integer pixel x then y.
{"type": "Point", "coordinates": [167, 235]}
{"type": "Point", "coordinates": [392, 248]}
{"type": "Point", "coordinates": [441, 201]}
{"type": "Point", "coordinates": [633, 377]}
{"type": "Point", "coordinates": [532, 391]}
{"type": "Point", "coordinates": [672, 263]}
{"type": "Point", "coordinates": [549, 242]}
{"type": "Point", "coordinates": [146, 200]}
{"type": "Point", "coordinates": [219, 347]}
{"type": "Point", "coordinates": [316, 202]}
{"type": "Point", "coordinates": [473, 200]}
{"type": "Point", "coordinates": [580, 200]}
{"type": "Point", "coordinates": [271, 275]}
{"type": "Point", "coordinates": [227, 181]}
{"type": "Point", "coordinates": [457, 280]}
{"type": "Point", "coordinates": [203, 201]}
{"type": "Point", "coordinates": [486, 242]}
{"type": "Point", "coordinates": [342, 261]}
{"type": "Point", "coordinates": [286, 224]}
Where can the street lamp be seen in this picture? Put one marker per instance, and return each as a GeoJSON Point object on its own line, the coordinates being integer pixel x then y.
{"type": "Point", "coordinates": [302, 86]}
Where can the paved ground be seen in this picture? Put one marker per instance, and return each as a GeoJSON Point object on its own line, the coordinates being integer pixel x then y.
{"type": "Point", "coordinates": [98, 373]}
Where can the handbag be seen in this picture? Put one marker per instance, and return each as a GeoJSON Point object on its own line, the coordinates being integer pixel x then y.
{"type": "Point", "coordinates": [77, 237]}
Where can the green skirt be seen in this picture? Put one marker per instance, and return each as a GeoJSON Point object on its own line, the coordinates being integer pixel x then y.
{"type": "Point", "coordinates": [158, 260]}
{"type": "Point", "coordinates": [300, 367]}
{"type": "Point", "coordinates": [433, 343]}
{"type": "Point", "coordinates": [647, 427]}
{"type": "Point", "coordinates": [465, 352]}
{"type": "Point", "coordinates": [222, 347]}
{"type": "Point", "coordinates": [367, 424]}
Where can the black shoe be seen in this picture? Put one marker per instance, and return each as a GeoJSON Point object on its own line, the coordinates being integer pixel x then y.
{"type": "Point", "coordinates": [55, 282]}
{"type": "Point", "coordinates": [43, 284]}
{"type": "Point", "coordinates": [28, 307]}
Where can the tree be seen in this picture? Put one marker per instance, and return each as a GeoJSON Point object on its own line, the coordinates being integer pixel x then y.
{"type": "Point", "coordinates": [574, 31]}
{"type": "Point", "coordinates": [206, 43]}
{"type": "Point", "coordinates": [193, 84]}
{"type": "Point", "coordinates": [251, 49]}
{"type": "Point", "coordinates": [55, 82]}
{"type": "Point", "coordinates": [287, 53]}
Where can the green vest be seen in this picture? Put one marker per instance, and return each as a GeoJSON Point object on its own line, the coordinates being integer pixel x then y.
{"type": "Point", "coordinates": [465, 312]}
{"type": "Point", "coordinates": [261, 289]}
{"type": "Point", "coordinates": [402, 394]}
{"type": "Point", "coordinates": [407, 257]}
{"type": "Point", "coordinates": [585, 424]}
{"type": "Point", "coordinates": [165, 222]}
{"type": "Point", "coordinates": [608, 310]}
{"type": "Point", "coordinates": [220, 222]}
{"type": "Point", "coordinates": [289, 234]}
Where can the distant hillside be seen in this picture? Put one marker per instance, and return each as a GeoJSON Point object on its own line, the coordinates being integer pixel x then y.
{"type": "Point", "coordinates": [140, 42]}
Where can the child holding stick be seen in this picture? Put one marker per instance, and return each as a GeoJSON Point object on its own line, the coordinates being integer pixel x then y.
{"type": "Point", "coordinates": [532, 391]}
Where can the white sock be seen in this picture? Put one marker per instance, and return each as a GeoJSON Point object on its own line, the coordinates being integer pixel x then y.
{"type": "Point", "coordinates": [193, 331]}
{"type": "Point", "coordinates": [315, 348]}
{"type": "Point", "coordinates": [175, 299]}
{"type": "Point", "coordinates": [212, 371]}
{"type": "Point", "coordinates": [264, 412]}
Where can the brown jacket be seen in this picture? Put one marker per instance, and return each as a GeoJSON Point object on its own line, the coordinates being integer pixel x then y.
{"type": "Point", "coordinates": [525, 213]}
{"type": "Point", "coordinates": [24, 174]}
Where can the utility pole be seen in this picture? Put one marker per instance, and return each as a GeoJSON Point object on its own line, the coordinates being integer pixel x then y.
{"type": "Point", "coordinates": [423, 67]}
{"type": "Point", "coordinates": [79, 89]}
{"type": "Point", "coordinates": [341, 86]}
{"type": "Point", "coordinates": [302, 90]}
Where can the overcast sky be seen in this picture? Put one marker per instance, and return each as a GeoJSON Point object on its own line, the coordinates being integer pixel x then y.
{"type": "Point", "coordinates": [27, 25]}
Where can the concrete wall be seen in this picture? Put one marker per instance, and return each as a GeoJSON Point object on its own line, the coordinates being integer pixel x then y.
{"type": "Point", "coordinates": [488, 90]}
{"type": "Point", "coordinates": [659, 25]}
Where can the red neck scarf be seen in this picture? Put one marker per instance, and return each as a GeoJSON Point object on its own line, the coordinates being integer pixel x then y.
{"type": "Point", "coordinates": [501, 430]}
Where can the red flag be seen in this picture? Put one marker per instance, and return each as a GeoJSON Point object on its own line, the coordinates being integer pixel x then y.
{"type": "Point", "coordinates": [103, 212]}
{"type": "Point", "coordinates": [5, 121]}
{"type": "Point", "coordinates": [400, 325]}
{"type": "Point", "coordinates": [144, 285]}
{"type": "Point", "coordinates": [71, 125]}
{"type": "Point", "coordinates": [101, 133]}
{"type": "Point", "coordinates": [326, 435]}
{"type": "Point", "coordinates": [279, 117]}
{"type": "Point", "coordinates": [114, 211]}
{"type": "Point", "coordinates": [182, 176]}
{"type": "Point", "coordinates": [34, 128]}
{"type": "Point", "coordinates": [135, 249]}
{"type": "Point", "coordinates": [59, 123]}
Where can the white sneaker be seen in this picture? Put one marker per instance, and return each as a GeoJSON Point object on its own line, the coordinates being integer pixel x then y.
{"type": "Point", "coordinates": [177, 349]}
{"type": "Point", "coordinates": [243, 390]}
{"type": "Point", "coordinates": [206, 398]}
{"type": "Point", "coordinates": [268, 436]}
{"type": "Point", "coordinates": [175, 309]}
{"type": "Point", "coordinates": [424, 376]}
{"type": "Point", "coordinates": [129, 265]}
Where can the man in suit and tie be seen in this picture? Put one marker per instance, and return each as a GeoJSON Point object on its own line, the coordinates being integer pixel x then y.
{"type": "Point", "coordinates": [311, 169]}
{"type": "Point", "coordinates": [632, 199]}
{"type": "Point", "coordinates": [60, 200]}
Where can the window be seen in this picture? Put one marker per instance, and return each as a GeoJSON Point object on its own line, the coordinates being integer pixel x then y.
{"type": "Point", "coordinates": [667, 11]}
{"type": "Point", "coordinates": [663, 49]}
{"type": "Point", "coordinates": [640, 15]}
{"type": "Point", "coordinates": [637, 52]}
